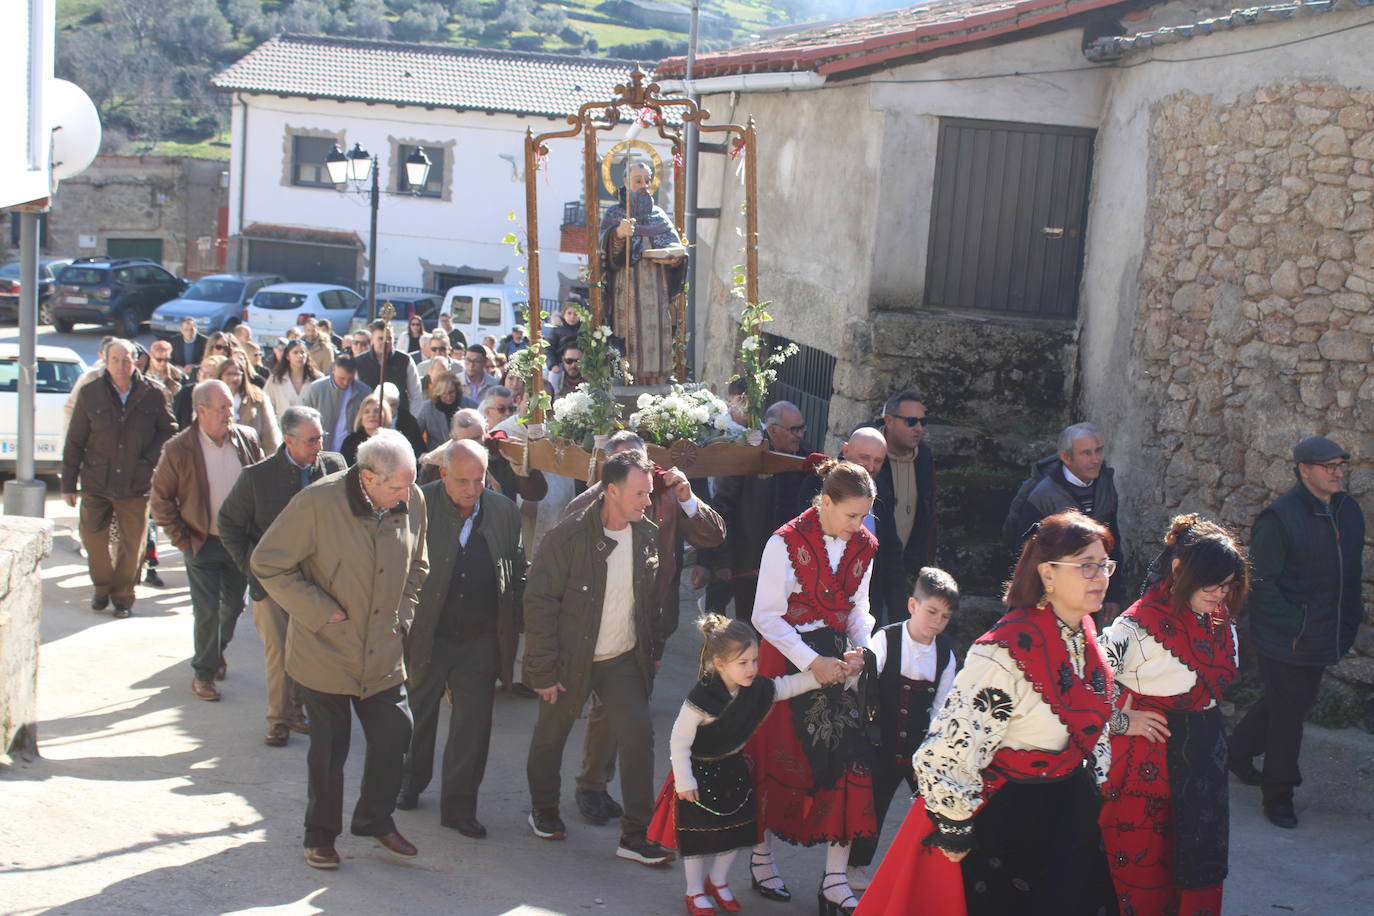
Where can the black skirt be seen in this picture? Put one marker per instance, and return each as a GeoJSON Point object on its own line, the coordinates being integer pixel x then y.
{"type": "Point", "coordinates": [723, 817]}
{"type": "Point", "coordinates": [1038, 852]}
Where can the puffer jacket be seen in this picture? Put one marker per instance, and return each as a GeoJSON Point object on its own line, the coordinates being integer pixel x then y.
{"type": "Point", "coordinates": [112, 448]}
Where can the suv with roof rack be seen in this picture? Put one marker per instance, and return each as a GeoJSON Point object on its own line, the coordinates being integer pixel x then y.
{"type": "Point", "coordinates": [118, 293]}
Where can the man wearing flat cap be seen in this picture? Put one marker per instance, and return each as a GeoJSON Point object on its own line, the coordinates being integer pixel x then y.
{"type": "Point", "coordinates": [1305, 608]}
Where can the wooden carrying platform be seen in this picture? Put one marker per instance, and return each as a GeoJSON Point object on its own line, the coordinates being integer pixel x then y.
{"type": "Point", "coordinates": [720, 459]}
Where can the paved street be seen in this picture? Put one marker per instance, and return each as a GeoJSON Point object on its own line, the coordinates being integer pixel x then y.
{"type": "Point", "coordinates": [146, 800]}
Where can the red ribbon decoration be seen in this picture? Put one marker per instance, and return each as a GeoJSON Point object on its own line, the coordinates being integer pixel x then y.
{"type": "Point", "coordinates": [737, 148]}
{"type": "Point", "coordinates": [646, 116]}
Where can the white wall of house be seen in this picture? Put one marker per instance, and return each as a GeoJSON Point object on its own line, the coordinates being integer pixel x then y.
{"type": "Point", "coordinates": [464, 228]}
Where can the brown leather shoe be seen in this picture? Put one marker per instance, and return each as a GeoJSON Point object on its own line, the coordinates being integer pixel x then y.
{"type": "Point", "coordinates": [321, 857]}
{"type": "Point", "coordinates": [277, 735]}
{"type": "Point", "coordinates": [204, 690]}
{"type": "Point", "coordinates": [299, 724]}
{"type": "Point", "coordinates": [223, 670]}
{"type": "Point", "coordinates": [397, 845]}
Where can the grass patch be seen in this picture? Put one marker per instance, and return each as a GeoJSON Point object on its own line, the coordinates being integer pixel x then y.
{"type": "Point", "coordinates": [206, 149]}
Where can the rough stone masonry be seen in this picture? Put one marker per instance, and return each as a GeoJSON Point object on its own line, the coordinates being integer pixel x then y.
{"type": "Point", "coordinates": [1256, 318]}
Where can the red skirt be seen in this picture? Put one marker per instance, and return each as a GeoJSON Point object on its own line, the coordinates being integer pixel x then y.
{"type": "Point", "coordinates": [914, 878]}
{"type": "Point", "coordinates": [1138, 833]}
{"type": "Point", "coordinates": [789, 804]}
{"type": "Point", "coordinates": [663, 825]}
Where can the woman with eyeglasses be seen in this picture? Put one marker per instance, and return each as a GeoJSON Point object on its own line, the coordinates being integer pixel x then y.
{"type": "Point", "coordinates": [1165, 819]}
{"type": "Point", "coordinates": [436, 415]}
{"type": "Point", "coordinates": [1009, 773]}
{"type": "Point", "coordinates": [292, 373]}
{"type": "Point", "coordinates": [374, 415]}
{"type": "Point", "coordinates": [220, 344]}
{"type": "Point", "coordinates": [252, 407]}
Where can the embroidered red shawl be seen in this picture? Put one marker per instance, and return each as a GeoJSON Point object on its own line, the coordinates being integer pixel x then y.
{"type": "Point", "coordinates": [825, 594]}
{"type": "Point", "coordinates": [1031, 636]}
{"type": "Point", "coordinates": [1204, 646]}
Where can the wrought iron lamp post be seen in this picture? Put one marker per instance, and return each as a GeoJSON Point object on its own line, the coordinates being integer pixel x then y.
{"type": "Point", "coordinates": [356, 168]}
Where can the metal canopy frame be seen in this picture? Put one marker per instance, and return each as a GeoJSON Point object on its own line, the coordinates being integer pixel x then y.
{"type": "Point", "coordinates": [591, 119]}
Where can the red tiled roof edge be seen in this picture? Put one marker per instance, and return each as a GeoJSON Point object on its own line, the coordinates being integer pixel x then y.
{"type": "Point", "coordinates": [843, 56]}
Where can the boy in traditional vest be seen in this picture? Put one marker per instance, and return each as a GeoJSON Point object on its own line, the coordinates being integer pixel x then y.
{"type": "Point", "coordinates": [915, 669]}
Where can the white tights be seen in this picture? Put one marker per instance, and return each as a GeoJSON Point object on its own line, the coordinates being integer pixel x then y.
{"type": "Point", "coordinates": [836, 861]}
{"type": "Point", "coordinates": [695, 867]}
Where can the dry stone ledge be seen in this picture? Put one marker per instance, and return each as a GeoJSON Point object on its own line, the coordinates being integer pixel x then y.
{"type": "Point", "coordinates": [24, 543]}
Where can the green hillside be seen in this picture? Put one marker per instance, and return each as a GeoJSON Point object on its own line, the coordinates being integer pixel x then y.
{"type": "Point", "coordinates": [147, 63]}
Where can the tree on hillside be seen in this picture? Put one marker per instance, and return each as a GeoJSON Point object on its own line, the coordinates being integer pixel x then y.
{"type": "Point", "coordinates": [549, 20]}
{"type": "Point", "coordinates": [424, 21]}
{"type": "Point", "coordinates": [369, 19]}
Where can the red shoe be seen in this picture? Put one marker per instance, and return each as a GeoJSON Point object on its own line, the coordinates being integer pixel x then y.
{"type": "Point", "coordinates": [730, 906]}
{"type": "Point", "coordinates": [694, 910]}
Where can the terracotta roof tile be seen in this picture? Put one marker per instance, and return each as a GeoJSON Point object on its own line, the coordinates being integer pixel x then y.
{"type": "Point", "coordinates": [437, 76]}
{"type": "Point", "coordinates": [834, 48]}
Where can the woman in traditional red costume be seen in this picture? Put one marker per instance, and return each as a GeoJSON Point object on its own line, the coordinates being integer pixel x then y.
{"type": "Point", "coordinates": [1165, 820]}
{"type": "Point", "coordinates": [812, 759]}
{"type": "Point", "coordinates": [1009, 773]}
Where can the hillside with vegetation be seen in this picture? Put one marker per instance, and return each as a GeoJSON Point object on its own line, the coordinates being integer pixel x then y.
{"type": "Point", "coordinates": [147, 63]}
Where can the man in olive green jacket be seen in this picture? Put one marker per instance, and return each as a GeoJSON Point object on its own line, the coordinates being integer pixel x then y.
{"type": "Point", "coordinates": [345, 559]}
{"type": "Point", "coordinates": [590, 607]}
{"type": "Point", "coordinates": [470, 600]}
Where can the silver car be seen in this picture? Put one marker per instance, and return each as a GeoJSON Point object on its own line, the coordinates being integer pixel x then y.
{"type": "Point", "coordinates": [216, 302]}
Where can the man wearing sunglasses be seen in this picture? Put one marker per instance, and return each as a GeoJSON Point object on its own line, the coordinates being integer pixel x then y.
{"type": "Point", "coordinates": [1305, 609]}
{"type": "Point", "coordinates": [908, 474]}
{"type": "Point", "coordinates": [567, 374]}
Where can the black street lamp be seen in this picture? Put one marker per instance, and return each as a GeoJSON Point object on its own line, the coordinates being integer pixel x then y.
{"type": "Point", "coordinates": [350, 172]}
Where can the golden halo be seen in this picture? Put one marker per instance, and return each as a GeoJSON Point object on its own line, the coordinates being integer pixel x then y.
{"type": "Point", "coordinates": [609, 159]}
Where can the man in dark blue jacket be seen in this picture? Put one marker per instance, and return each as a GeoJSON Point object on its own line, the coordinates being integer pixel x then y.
{"type": "Point", "coordinates": [908, 474]}
{"type": "Point", "coordinates": [1305, 608]}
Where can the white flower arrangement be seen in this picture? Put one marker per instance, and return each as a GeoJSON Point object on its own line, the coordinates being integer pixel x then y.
{"type": "Point", "coordinates": [689, 412]}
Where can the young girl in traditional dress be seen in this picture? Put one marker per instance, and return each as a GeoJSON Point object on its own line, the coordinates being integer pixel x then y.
{"type": "Point", "coordinates": [812, 757]}
{"type": "Point", "coordinates": [1165, 818]}
{"type": "Point", "coordinates": [706, 807]}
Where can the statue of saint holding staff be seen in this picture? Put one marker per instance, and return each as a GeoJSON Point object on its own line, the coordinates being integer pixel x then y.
{"type": "Point", "coordinates": [644, 266]}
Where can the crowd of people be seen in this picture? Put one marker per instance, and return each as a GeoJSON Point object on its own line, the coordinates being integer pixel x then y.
{"type": "Point", "coordinates": [1073, 761]}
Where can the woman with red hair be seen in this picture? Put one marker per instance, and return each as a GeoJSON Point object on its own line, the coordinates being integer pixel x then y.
{"type": "Point", "coordinates": [1009, 772]}
{"type": "Point", "coordinates": [1165, 819]}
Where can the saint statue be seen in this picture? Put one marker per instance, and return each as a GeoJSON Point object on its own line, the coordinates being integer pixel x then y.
{"type": "Point", "coordinates": [644, 266]}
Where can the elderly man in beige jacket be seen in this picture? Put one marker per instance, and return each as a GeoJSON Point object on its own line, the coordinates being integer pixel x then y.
{"type": "Point", "coordinates": [345, 559]}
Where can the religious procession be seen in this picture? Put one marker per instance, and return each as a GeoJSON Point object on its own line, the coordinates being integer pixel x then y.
{"type": "Point", "coordinates": [958, 647]}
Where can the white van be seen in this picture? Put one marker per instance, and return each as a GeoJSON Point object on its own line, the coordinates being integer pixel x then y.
{"type": "Point", "coordinates": [479, 309]}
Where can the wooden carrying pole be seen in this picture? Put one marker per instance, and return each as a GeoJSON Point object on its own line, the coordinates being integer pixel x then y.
{"type": "Point", "coordinates": [533, 311]}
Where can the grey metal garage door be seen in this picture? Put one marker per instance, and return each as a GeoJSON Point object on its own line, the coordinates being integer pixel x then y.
{"type": "Point", "coordinates": [304, 263]}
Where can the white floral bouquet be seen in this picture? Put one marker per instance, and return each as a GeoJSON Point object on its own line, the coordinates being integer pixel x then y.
{"type": "Point", "coordinates": [689, 412]}
{"type": "Point", "coordinates": [583, 414]}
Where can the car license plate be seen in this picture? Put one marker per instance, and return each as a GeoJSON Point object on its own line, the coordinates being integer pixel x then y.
{"type": "Point", "coordinates": [79, 300]}
{"type": "Point", "coordinates": [8, 447]}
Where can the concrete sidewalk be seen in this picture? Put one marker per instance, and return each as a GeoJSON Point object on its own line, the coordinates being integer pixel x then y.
{"type": "Point", "coordinates": [146, 800]}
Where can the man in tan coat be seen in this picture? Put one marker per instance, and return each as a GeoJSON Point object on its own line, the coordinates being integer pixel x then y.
{"type": "Point", "coordinates": [345, 559]}
{"type": "Point", "coordinates": [198, 468]}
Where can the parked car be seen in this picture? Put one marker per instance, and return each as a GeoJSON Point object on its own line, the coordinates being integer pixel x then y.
{"type": "Point", "coordinates": [275, 308]}
{"type": "Point", "coordinates": [407, 305]}
{"type": "Point", "coordinates": [216, 302]}
{"type": "Point", "coordinates": [58, 370]}
{"type": "Point", "coordinates": [9, 288]}
{"type": "Point", "coordinates": [117, 293]}
{"type": "Point", "coordinates": [479, 309]}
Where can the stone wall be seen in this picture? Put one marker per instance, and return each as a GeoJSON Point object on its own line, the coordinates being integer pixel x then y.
{"type": "Point", "coordinates": [1255, 324]}
{"type": "Point", "coordinates": [24, 542]}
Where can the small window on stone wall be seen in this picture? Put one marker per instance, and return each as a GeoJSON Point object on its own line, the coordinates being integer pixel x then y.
{"type": "Point", "coordinates": [434, 184]}
{"type": "Point", "coordinates": [307, 161]}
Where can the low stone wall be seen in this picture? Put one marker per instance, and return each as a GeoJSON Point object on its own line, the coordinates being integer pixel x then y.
{"type": "Point", "coordinates": [1256, 319]}
{"type": "Point", "coordinates": [24, 543]}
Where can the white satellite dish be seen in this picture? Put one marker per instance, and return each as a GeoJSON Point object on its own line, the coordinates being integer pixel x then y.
{"type": "Point", "coordinates": [75, 126]}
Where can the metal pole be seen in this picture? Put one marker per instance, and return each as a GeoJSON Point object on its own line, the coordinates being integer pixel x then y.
{"type": "Point", "coordinates": [691, 181]}
{"type": "Point", "coordinates": [24, 495]}
{"type": "Point", "coordinates": [372, 248]}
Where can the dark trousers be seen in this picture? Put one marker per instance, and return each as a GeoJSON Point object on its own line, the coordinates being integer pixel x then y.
{"type": "Point", "coordinates": [385, 718]}
{"type": "Point", "coordinates": [468, 668]}
{"type": "Point", "coordinates": [888, 776]}
{"type": "Point", "coordinates": [619, 686]}
{"type": "Point", "coordinates": [1273, 726]}
{"type": "Point", "coordinates": [217, 587]}
{"type": "Point", "coordinates": [743, 589]}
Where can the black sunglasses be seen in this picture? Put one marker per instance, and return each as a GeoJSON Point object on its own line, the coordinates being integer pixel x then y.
{"type": "Point", "coordinates": [912, 421]}
{"type": "Point", "coordinates": [571, 362]}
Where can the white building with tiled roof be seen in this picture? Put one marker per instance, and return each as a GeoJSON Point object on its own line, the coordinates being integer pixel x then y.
{"type": "Point", "coordinates": [294, 97]}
